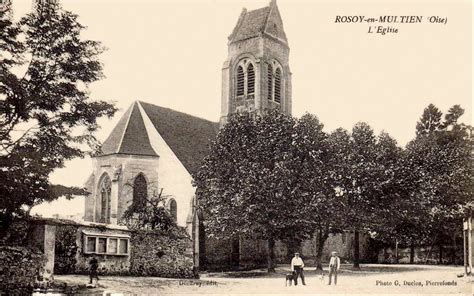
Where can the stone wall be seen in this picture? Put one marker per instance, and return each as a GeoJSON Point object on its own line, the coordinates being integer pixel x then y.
{"type": "Point", "coordinates": [423, 255]}
{"type": "Point", "coordinates": [164, 255]}
{"type": "Point", "coordinates": [253, 253]}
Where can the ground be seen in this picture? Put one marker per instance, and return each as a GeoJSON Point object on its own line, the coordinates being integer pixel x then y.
{"type": "Point", "coordinates": [371, 279]}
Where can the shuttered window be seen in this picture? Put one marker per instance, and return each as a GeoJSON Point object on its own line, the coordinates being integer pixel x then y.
{"type": "Point", "coordinates": [278, 85]}
{"type": "Point", "coordinates": [250, 79]}
{"type": "Point", "coordinates": [240, 81]}
{"type": "Point", "coordinates": [270, 82]}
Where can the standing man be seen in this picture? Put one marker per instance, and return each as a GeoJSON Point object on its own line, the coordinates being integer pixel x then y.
{"type": "Point", "coordinates": [93, 266]}
{"type": "Point", "coordinates": [297, 265]}
{"type": "Point", "coordinates": [334, 265]}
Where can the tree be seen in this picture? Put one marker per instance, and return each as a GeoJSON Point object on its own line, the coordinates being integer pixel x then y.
{"type": "Point", "coordinates": [430, 121]}
{"type": "Point", "coordinates": [360, 192]}
{"type": "Point", "coordinates": [46, 113]}
{"type": "Point", "coordinates": [312, 180]}
{"type": "Point", "coordinates": [149, 214]}
{"type": "Point", "coordinates": [439, 163]}
{"type": "Point", "coordinates": [246, 185]}
{"type": "Point", "coordinates": [399, 219]}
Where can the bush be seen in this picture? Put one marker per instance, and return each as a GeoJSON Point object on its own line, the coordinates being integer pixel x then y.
{"type": "Point", "coordinates": [19, 269]}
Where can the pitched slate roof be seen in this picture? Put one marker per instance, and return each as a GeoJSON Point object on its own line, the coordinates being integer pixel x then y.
{"type": "Point", "coordinates": [188, 136]}
{"type": "Point", "coordinates": [266, 20]}
{"type": "Point", "coordinates": [129, 135]}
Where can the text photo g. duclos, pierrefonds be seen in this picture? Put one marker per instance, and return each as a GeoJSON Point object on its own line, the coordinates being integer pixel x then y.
{"type": "Point", "coordinates": [236, 147]}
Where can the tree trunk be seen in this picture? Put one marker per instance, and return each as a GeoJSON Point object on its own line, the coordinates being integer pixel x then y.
{"type": "Point", "coordinates": [453, 251]}
{"type": "Point", "coordinates": [356, 250]}
{"type": "Point", "coordinates": [396, 251]}
{"type": "Point", "coordinates": [321, 239]}
{"type": "Point", "coordinates": [235, 253]}
{"type": "Point", "coordinates": [271, 255]}
{"type": "Point", "coordinates": [412, 253]}
{"type": "Point", "coordinates": [440, 253]}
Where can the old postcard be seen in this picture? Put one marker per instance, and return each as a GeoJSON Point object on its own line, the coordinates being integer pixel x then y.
{"type": "Point", "coordinates": [236, 147]}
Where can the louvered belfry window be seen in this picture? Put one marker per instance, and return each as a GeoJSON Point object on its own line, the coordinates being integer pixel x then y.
{"type": "Point", "coordinates": [250, 79]}
{"type": "Point", "coordinates": [278, 85]}
{"type": "Point", "coordinates": [270, 82]}
{"type": "Point", "coordinates": [240, 81]}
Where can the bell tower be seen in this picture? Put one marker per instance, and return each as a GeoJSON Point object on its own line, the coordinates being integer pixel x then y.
{"type": "Point", "coordinates": [256, 75]}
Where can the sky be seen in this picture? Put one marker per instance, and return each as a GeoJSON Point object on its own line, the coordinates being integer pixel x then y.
{"type": "Point", "coordinates": [170, 53]}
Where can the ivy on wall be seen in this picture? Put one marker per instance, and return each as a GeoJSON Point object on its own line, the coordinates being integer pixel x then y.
{"type": "Point", "coordinates": [161, 254]}
{"type": "Point", "coordinates": [65, 249]}
{"type": "Point", "coordinates": [19, 269]}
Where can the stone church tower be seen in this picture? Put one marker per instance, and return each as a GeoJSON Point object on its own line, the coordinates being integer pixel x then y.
{"type": "Point", "coordinates": [256, 75]}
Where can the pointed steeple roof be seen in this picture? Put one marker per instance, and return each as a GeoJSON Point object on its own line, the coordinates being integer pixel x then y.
{"type": "Point", "coordinates": [187, 136]}
{"type": "Point", "coordinates": [262, 21]}
{"type": "Point", "coordinates": [129, 135]}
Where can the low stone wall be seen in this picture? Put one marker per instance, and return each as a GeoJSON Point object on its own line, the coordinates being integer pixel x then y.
{"type": "Point", "coordinates": [162, 254]}
{"type": "Point", "coordinates": [118, 250]}
{"type": "Point", "coordinates": [253, 253]}
{"type": "Point", "coordinates": [423, 255]}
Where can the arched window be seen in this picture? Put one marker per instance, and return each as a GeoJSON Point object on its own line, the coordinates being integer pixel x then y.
{"type": "Point", "coordinates": [240, 81]}
{"type": "Point", "coordinates": [270, 82]}
{"type": "Point", "coordinates": [140, 190]}
{"type": "Point", "coordinates": [173, 209]}
{"type": "Point", "coordinates": [278, 85]}
{"type": "Point", "coordinates": [104, 191]}
{"type": "Point", "coordinates": [250, 79]}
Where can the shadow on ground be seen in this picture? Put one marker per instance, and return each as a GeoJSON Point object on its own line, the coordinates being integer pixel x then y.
{"type": "Point", "coordinates": [346, 269]}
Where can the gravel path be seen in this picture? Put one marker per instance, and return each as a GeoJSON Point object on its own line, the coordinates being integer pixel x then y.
{"type": "Point", "coordinates": [371, 279]}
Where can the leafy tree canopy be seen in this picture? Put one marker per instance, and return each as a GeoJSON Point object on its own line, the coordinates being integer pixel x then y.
{"type": "Point", "coordinates": [46, 113]}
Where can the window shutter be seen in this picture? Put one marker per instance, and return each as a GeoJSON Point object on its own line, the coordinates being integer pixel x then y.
{"type": "Point", "coordinates": [278, 85]}
{"type": "Point", "coordinates": [240, 81]}
{"type": "Point", "coordinates": [270, 82]}
{"type": "Point", "coordinates": [250, 79]}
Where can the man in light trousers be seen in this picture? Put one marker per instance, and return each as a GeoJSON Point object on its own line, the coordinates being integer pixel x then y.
{"type": "Point", "coordinates": [334, 265]}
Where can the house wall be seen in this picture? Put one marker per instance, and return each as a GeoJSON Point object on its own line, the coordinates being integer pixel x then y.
{"type": "Point", "coordinates": [62, 242]}
{"type": "Point", "coordinates": [72, 237]}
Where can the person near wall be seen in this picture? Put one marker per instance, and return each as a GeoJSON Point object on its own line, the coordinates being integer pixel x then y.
{"type": "Point", "coordinates": [93, 266]}
{"type": "Point", "coordinates": [334, 265]}
{"type": "Point", "coordinates": [297, 265]}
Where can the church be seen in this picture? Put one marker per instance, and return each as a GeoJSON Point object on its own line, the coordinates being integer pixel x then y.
{"type": "Point", "coordinates": [155, 150]}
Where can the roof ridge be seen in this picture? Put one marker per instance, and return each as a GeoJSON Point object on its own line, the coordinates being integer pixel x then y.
{"type": "Point", "coordinates": [194, 116]}
{"type": "Point", "coordinates": [126, 125]}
